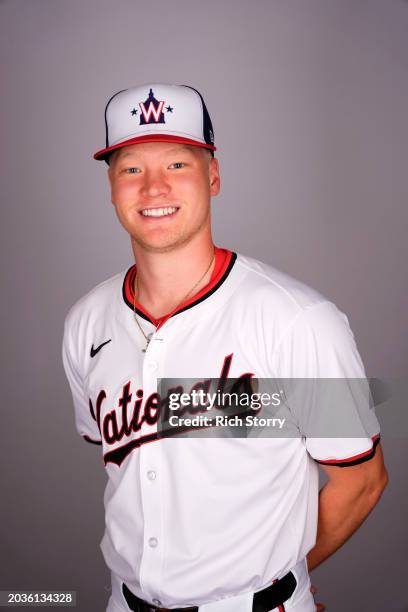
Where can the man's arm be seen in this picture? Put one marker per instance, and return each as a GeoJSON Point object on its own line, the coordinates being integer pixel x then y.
{"type": "Point", "coordinates": [344, 502]}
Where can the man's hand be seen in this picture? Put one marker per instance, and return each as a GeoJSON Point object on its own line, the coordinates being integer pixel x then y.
{"type": "Point", "coordinates": [344, 502]}
{"type": "Point", "coordinates": [319, 606]}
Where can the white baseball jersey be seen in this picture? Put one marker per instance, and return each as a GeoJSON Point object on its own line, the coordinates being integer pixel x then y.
{"type": "Point", "coordinates": [190, 521]}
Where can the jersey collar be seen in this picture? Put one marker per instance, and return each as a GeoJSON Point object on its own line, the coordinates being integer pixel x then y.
{"type": "Point", "coordinates": [224, 262]}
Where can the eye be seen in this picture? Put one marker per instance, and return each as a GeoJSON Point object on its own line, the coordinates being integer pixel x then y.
{"type": "Point", "coordinates": [132, 170]}
{"type": "Point", "coordinates": [177, 165]}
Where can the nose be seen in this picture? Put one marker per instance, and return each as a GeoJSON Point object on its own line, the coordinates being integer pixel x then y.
{"type": "Point", "coordinates": [155, 184]}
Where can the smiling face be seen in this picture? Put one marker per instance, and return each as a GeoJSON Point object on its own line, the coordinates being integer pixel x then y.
{"type": "Point", "coordinates": [162, 191]}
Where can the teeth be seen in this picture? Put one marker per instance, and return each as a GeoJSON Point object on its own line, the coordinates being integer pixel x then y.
{"type": "Point", "coordinates": [158, 212]}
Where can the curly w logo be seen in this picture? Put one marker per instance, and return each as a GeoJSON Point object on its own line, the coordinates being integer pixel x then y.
{"type": "Point", "coordinates": [152, 110]}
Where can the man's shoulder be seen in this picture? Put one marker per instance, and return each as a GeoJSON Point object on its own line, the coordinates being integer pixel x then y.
{"type": "Point", "coordinates": [313, 336]}
{"type": "Point", "coordinates": [97, 300]}
{"type": "Point", "coordinates": [273, 285]}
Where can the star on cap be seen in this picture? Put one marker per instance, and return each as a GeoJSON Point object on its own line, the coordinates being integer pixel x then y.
{"type": "Point", "coordinates": [169, 109]}
{"type": "Point", "coordinates": [134, 111]}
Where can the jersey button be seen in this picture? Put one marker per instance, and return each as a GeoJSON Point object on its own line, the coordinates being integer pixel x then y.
{"type": "Point", "coordinates": [152, 365]}
{"type": "Point", "coordinates": [153, 542]}
{"type": "Point", "coordinates": [151, 474]}
{"type": "Point", "coordinates": [156, 602]}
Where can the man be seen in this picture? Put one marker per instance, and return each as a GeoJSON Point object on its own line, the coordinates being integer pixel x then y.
{"type": "Point", "coordinates": [215, 524]}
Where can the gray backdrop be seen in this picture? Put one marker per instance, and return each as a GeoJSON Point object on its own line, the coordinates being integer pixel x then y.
{"type": "Point", "coordinates": [308, 100]}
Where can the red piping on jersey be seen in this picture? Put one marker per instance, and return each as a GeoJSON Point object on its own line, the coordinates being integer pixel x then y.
{"type": "Point", "coordinates": [224, 260]}
{"type": "Point", "coordinates": [375, 441]}
{"type": "Point", "coordinates": [88, 439]}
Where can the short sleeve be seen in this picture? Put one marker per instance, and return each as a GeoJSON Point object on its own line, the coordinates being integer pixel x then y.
{"type": "Point", "coordinates": [325, 386]}
{"type": "Point", "coordinates": [84, 416]}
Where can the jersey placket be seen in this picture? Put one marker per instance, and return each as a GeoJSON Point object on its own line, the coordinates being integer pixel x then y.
{"type": "Point", "coordinates": [152, 560]}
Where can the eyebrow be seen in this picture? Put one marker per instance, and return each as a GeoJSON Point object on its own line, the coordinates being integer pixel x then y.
{"type": "Point", "coordinates": [124, 154]}
{"type": "Point", "coordinates": [178, 147]}
{"type": "Point", "coordinates": [175, 149]}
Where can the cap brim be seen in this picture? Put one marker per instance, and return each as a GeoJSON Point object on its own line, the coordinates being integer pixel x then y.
{"type": "Point", "coordinates": [103, 154]}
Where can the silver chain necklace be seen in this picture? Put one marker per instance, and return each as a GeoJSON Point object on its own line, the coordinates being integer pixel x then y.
{"type": "Point", "coordinates": [148, 337]}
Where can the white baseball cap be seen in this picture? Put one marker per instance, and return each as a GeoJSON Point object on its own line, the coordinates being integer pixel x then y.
{"type": "Point", "coordinates": [156, 113]}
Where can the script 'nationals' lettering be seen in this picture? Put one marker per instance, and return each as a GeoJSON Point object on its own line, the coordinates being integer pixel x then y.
{"type": "Point", "coordinates": [124, 420]}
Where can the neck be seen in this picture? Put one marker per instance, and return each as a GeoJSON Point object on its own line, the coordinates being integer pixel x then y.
{"type": "Point", "coordinates": [165, 279]}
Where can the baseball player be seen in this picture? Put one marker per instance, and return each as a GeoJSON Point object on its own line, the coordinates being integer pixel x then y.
{"type": "Point", "coordinates": [208, 524]}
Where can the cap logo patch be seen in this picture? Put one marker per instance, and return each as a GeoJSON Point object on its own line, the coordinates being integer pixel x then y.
{"type": "Point", "coordinates": [151, 110]}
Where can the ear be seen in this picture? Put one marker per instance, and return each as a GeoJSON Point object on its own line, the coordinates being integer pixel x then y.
{"type": "Point", "coordinates": [111, 179]}
{"type": "Point", "coordinates": [215, 180]}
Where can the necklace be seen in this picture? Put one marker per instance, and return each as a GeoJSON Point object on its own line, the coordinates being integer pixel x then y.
{"type": "Point", "coordinates": [148, 337]}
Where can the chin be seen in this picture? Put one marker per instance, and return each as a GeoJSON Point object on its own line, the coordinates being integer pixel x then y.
{"type": "Point", "coordinates": [163, 245]}
{"type": "Point", "coordinates": [162, 241]}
